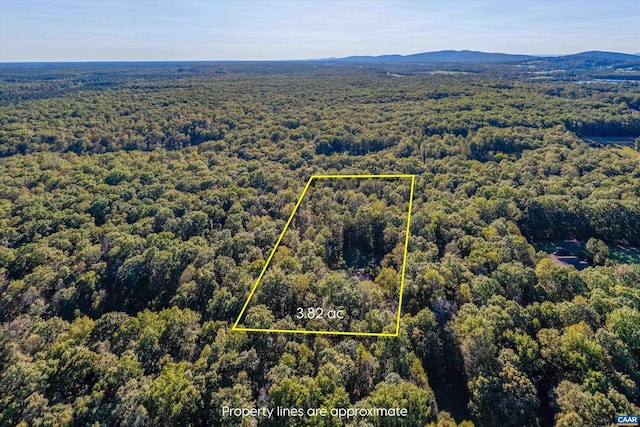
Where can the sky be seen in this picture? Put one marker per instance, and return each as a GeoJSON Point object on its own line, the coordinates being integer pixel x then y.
{"type": "Point", "coordinates": [146, 30]}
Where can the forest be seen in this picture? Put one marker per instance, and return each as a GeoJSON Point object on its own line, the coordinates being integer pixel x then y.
{"type": "Point", "coordinates": [344, 233]}
{"type": "Point", "coordinates": [140, 202]}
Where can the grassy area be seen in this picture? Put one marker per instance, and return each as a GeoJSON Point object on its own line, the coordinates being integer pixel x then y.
{"type": "Point", "coordinates": [619, 254]}
{"type": "Point", "coordinates": [610, 140]}
{"type": "Point", "coordinates": [624, 255]}
{"type": "Point", "coordinates": [621, 145]}
{"type": "Point", "coordinates": [625, 150]}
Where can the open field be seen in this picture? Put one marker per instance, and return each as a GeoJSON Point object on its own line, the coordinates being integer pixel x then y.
{"type": "Point", "coordinates": [618, 253]}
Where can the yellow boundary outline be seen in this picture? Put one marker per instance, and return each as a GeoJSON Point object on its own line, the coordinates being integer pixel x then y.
{"type": "Point", "coordinates": [286, 226]}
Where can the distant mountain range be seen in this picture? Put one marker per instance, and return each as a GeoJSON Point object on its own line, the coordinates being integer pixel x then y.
{"type": "Point", "coordinates": [470, 57]}
{"type": "Point", "coordinates": [596, 54]}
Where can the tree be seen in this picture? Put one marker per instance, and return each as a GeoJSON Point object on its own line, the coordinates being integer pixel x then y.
{"type": "Point", "coordinates": [419, 402]}
{"type": "Point", "coordinates": [388, 280]}
{"type": "Point", "coordinates": [507, 399]}
{"type": "Point", "coordinates": [559, 283]}
{"type": "Point", "coordinates": [624, 323]}
{"type": "Point", "coordinates": [173, 398]}
{"type": "Point", "coordinates": [578, 405]}
{"type": "Point", "coordinates": [598, 251]}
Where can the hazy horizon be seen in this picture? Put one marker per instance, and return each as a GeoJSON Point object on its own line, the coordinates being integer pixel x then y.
{"type": "Point", "coordinates": [264, 60]}
{"type": "Point", "coordinates": [192, 30]}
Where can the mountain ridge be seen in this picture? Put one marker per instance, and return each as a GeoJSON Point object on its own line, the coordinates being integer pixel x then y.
{"type": "Point", "coordinates": [470, 56]}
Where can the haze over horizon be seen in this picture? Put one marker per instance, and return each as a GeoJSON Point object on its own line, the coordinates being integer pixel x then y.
{"type": "Point", "coordinates": [74, 30]}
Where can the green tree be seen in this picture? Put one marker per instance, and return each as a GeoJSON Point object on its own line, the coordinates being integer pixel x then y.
{"type": "Point", "coordinates": [598, 251]}
{"type": "Point", "coordinates": [173, 398]}
{"type": "Point", "coordinates": [418, 401]}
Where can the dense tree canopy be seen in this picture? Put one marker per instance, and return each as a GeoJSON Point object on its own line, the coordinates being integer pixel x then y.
{"type": "Point", "coordinates": [139, 204]}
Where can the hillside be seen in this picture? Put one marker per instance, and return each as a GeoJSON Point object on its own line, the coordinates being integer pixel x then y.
{"type": "Point", "coordinates": [612, 56]}
{"type": "Point", "coordinates": [474, 57]}
{"type": "Point", "coordinates": [464, 56]}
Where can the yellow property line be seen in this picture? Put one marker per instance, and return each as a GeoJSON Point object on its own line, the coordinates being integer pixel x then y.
{"type": "Point", "coordinates": [273, 251]}
{"type": "Point", "coordinates": [363, 176]}
{"type": "Point", "coordinates": [298, 331]}
{"type": "Point", "coordinates": [286, 226]}
{"type": "Point", "coordinates": [406, 247]}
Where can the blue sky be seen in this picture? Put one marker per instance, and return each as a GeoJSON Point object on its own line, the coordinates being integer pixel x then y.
{"type": "Point", "coordinates": [95, 30]}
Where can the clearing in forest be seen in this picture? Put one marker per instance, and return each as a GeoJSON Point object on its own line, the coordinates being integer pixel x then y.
{"type": "Point", "coordinates": [338, 265]}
